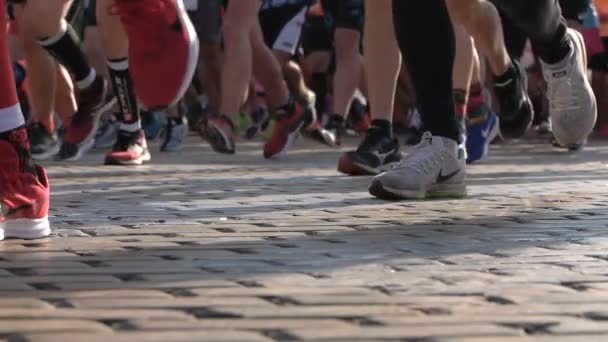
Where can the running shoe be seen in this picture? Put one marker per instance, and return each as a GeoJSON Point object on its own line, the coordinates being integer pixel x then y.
{"type": "Point", "coordinates": [220, 133]}
{"type": "Point", "coordinates": [516, 110]}
{"type": "Point", "coordinates": [572, 104]}
{"type": "Point", "coordinates": [163, 49]}
{"type": "Point", "coordinates": [434, 168]}
{"type": "Point", "coordinates": [322, 135]}
{"type": "Point", "coordinates": [287, 130]}
{"type": "Point", "coordinates": [80, 133]}
{"type": "Point", "coordinates": [176, 132]}
{"type": "Point", "coordinates": [336, 127]}
{"type": "Point", "coordinates": [130, 149]}
{"type": "Point", "coordinates": [260, 119]}
{"type": "Point", "coordinates": [376, 153]}
{"type": "Point", "coordinates": [481, 131]}
{"type": "Point", "coordinates": [44, 144]}
{"type": "Point", "coordinates": [24, 191]}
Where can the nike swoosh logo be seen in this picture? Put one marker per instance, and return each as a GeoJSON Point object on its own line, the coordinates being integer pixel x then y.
{"type": "Point", "coordinates": [442, 178]}
{"type": "Point", "coordinates": [485, 133]}
{"type": "Point", "coordinates": [503, 84]}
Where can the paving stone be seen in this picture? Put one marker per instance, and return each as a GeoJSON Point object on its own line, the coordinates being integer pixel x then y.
{"type": "Point", "coordinates": [204, 247]}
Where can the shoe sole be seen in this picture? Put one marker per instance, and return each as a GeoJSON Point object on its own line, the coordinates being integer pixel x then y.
{"type": "Point", "coordinates": [354, 168]}
{"type": "Point", "coordinates": [48, 154]}
{"type": "Point", "coordinates": [212, 134]}
{"type": "Point", "coordinates": [26, 229]}
{"type": "Point", "coordinates": [437, 191]}
{"type": "Point", "coordinates": [88, 143]}
{"type": "Point", "coordinates": [193, 50]}
{"type": "Point", "coordinates": [146, 157]}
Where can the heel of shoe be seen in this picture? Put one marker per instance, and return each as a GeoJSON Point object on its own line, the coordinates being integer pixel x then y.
{"type": "Point", "coordinates": [27, 229]}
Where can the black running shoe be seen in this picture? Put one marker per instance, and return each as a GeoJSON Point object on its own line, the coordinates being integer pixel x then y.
{"type": "Point", "coordinates": [44, 143]}
{"type": "Point", "coordinates": [516, 110]}
{"type": "Point", "coordinates": [375, 155]}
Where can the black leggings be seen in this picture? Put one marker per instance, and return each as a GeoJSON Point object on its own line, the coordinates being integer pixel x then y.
{"type": "Point", "coordinates": [426, 39]}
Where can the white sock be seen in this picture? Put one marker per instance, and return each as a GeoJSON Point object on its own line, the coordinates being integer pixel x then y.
{"type": "Point", "coordinates": [87, 81]}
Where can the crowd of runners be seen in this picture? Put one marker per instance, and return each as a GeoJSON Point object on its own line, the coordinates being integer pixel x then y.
{"type": "Point", "coordinates": [446, 76]}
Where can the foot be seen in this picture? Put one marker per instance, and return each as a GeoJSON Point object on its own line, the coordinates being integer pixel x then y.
{"type": "Point", "coordinates": [176, 132]}
{"type": "Point", "coordinates": [220, 133]}
{"type": "Point", "coordinates": [163, 49]}
{"type": "Point", "coordinates": [516, 110]}
{"type": "Point", "coordinates": [80, 133]}
{"type": "Point", "coordinates": [376, 154]}
{"type": "Point", "coordinates": [572, 105]}
{"type": "Point", "coordinates": [45, 144]}
{"type": "Point", "coordinates": [24, 191]}
{"type": "Point", "coordinates": [481, 131]}
{"type": "Point", "coordinates": [287, 130]}
{"type": "Point", "coordinates": [434, 168]}
{"type": "Point", "coordinates": [259, 121]}
{"type": "Point", "coordinates": [130, 149]}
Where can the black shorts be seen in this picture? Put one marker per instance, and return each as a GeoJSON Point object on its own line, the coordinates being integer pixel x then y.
{"type": "Point", "coordinates": [346, 14]}
{"type": "Point", "coordinates": [206, 16]}
{"type": "Point", "coordinates": [317, 36]}
{"type": "Point", "coordinates": [283, 26]}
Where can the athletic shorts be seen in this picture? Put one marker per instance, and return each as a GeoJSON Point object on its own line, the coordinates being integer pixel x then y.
{"type": "Point", "coordinates": [345, 14]}
{"type": "Point", "coordinates": [317, 36]}
{"type": "Point", "coordinates": [206, 16]}
{"type": "Point", "coordinates": [283, 25]}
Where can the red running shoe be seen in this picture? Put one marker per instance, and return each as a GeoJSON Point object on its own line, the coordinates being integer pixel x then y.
{"type": "Point", "coordinates": [287, 130]}
{"type": "Point", "coordinates": [163, 49]}
{"type": "Point", "coordinates": [24, 191]}
{"type": "Point", "coordinates": [130, 149]}
{"type": "Point", "coordinates": [80, 133]}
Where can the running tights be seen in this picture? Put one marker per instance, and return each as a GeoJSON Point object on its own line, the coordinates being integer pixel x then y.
{"type": "Point", "coordinates": [426, 39]}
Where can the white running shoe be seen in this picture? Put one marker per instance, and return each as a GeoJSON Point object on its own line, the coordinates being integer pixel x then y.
{"type": "Point", "coordinates": [572, 104]}
{"type": "Point", "coordinates": [433, 168]}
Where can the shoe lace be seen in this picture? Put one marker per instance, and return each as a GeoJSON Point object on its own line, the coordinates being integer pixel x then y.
{"type": "Point", "coordinates": [422, 158]}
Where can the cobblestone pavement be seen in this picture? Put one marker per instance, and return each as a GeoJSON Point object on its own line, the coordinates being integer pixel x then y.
{"type": "Point", "coordinates": [203, 247]}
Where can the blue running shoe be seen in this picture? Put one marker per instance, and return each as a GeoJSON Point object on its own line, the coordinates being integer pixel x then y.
{"type": "Point", "coordinates": [480, 134]}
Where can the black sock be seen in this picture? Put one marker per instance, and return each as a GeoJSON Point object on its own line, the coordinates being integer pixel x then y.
{"type": "Point", "coordinates": [319, 86]}
{"type": "Point", "coordinates": [124, 91]}
{"type": "Point", "coordinates": [64, 46]}
{"type": "Point", "coordinates": [385, 126]}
